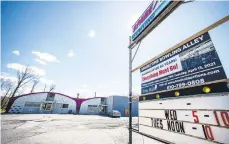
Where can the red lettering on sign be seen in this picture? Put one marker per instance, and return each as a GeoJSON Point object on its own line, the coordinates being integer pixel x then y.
{"type": "Point", "coordinates": [155, 5]}
{"type": "Point", "coordinates": [174, 67]}
{"type": "Point", "coordinates": [216, 118]}
{"type": "Point", "coordinates": [144, 16]}
{"type": "Point", "coordinates": [225, 118]}
{"type": "Point", "coordinates": [150, 76]}
{"type": "Point", "coordinates": [135, 27]}
{"type": "Point", "coordinates": [196, 119]}
{"type": "Point", "coordinates": [208, 131]}
{"type": "Point", "coordinates": [163, 71]}
{"type": "Point", "coordinates": [150, 10]}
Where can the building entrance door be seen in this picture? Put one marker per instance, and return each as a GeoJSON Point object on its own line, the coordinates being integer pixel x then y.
{"type": "Point", "coordinates": [46, 107]}
{"type": "Point", "coordinates": [92, 109]}
{"type": "Point", "coordinates": [126, 112]}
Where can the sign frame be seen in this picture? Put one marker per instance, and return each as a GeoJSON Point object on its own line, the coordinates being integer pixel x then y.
{"type": "Point", "coordinates": [155, 22]}
{"type": "Point", "coordinates": [194, 63]}
{"type": "Point", "coordinates": [132, 44]}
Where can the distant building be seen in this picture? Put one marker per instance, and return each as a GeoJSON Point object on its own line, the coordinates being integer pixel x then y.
{"type": "Point", "coordinates": [94, 106]}
{"type": "Point", "coordinates": [56, 103]}
{"type": "Point", "coordinates": [121, 104]}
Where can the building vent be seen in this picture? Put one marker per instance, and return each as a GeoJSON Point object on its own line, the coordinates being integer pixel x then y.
{"type": "Point", "coordinates": [50, 97]}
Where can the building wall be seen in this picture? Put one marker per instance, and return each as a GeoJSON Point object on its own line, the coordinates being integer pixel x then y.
{"type": "Point", "coordinates": [84, 106]}
{"type": "Point", "coordinates": [88, 106]}
{"type": "Point", "coordinates": [120, 103]}
{"type": "Point", "coordinates": [109, 104]}
{"type": "Point", "coordinates": [19, 103]}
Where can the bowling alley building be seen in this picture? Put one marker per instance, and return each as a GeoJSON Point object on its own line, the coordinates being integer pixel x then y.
{"type": "Point", "coordinates": [57, 103]}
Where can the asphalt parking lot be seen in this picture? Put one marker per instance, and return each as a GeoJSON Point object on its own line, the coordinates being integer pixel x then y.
{"type": "Point", "coordinates": [65, 129]}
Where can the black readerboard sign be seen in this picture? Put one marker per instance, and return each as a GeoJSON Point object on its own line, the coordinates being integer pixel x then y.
{"type": "Point", "coordinates": [193, 63]}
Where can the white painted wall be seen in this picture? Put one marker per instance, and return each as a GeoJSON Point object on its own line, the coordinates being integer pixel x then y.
{"type": "Point", "coordinates": [84, 105]}
{"type": "Point", "coordinates": [41, 97]}
{"type": "Point", "coordinates": [65, 100]}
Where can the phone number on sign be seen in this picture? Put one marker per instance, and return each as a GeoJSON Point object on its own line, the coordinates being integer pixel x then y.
{"type": "Point", "coordinates": [184, 84]}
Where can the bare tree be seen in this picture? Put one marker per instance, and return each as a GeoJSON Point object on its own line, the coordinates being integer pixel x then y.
{"type": "Point", "coordinates": [35, 82]}
{"type": "Point", "coordinates": [45, 88]}
{"type": "Point", "coordinates": [52, 87]}
{"type": "Point", "coordinates": [6, 87]}
{"type": "Point", "coordinates": [23, 77]}
{"type": "Point", "coordinates": [2, 82]}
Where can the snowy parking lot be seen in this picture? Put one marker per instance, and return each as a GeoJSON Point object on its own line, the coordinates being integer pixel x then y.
{"type": "Point", "coordinates": [67, 129]}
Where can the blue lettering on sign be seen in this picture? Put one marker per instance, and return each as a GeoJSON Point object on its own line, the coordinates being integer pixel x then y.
{"type": "Point", "coordinates": [152, 16]}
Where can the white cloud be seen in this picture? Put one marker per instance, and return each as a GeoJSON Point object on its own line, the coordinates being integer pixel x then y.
{"type": "Point", "coordinates": [71, 53]}
{"type": "Point", "coordinates": [84, 92]}
{"type": "Point", "coordinates": [46, 81]}
{"type": "Point", "coordinates": [91, 34]}
{"type": "Point", "coordinates": [16, 52]}
{"type": "Point", "coordinates": [6, 76]}
{"type": "Point", "coordinates": [38, 89]}
{"type": "Point", "coordinates": [99, 86]}
{"type": "Point", "coordinates": [45, 56]}
{"type": "Point", "coordinates": [25, 90]}
{"type": "Point", "coordinates": [40, 61]}
{"type": "Point", "coordinates": [20, 67]}
{"type": "Point", "coordinates": [113, 93]}
{"type": "Point", "coordinates": [114, 82]}
{"type": "Point", "coordinates": [84, 86]}
{"type": "Point", "coordinates": [2, 92]}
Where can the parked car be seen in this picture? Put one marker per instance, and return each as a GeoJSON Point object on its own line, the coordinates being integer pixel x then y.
{"type": "Point", "coordinates": [114, 113]}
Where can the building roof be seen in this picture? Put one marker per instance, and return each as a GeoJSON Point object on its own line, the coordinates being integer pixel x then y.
{"type": "Point", "coordinates": [78, 101]}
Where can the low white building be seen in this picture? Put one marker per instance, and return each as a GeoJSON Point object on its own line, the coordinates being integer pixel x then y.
{"type": "Point", "coordinates": [56, 103]}
{"type": "Point", "coordinates": [43, 102]}
{"type": "Point", "coordinates": [96, 105]}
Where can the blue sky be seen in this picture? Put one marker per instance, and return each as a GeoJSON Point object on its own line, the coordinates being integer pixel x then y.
{"type": "Point", "coordinates": [81, 47]}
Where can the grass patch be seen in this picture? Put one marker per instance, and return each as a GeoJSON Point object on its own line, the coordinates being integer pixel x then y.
{"type": "Point", "coordinates": [3, 110]}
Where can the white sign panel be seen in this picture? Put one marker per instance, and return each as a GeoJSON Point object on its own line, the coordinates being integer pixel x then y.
{"type": "Point", "coordinates": [200, 119]}
{"type": "Point", "coordinates": [165, 68]}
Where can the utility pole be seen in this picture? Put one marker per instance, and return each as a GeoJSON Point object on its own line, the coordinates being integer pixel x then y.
{"type": "Point", "coordinates": [95, 94]}
{"type": "Point", "coordinates": [130, 93]}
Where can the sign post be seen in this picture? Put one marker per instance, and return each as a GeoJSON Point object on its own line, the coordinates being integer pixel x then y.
{"type": "Point", "coordinates": [130, 94]}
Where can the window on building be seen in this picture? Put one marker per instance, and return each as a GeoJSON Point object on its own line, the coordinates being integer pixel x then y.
{"type": "Point", "coordinates": [32, 104]}
{"type": "Point", "coordinates": [94, 105]}
{"type": "Point", "coordinates": [43, 106]}
{"type": "Point", "coordinates": [50, 97]}
{"type": "Point", "coordinates": [46, 106]}
{"type": "Point", "coordinates": [65, 106]}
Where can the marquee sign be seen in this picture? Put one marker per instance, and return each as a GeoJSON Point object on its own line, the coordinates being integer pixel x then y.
{"type": "Point", "coordinates": [157, 11]}
{"type": "Point", "coordinates": [204, 120]}
{"type": "Point", "coordinates": [193, 63]}
{"type": "Point", "coordinates": [155, 8]}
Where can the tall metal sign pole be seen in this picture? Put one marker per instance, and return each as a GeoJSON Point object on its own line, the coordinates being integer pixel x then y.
{"type": "Point", "coordinates": [130, 93]}
{"type": "Point", "coordinates": [153, 15]}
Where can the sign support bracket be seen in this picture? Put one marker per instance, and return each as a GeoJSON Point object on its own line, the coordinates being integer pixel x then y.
{"type": "Point", "coordinates": [130, 86]}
